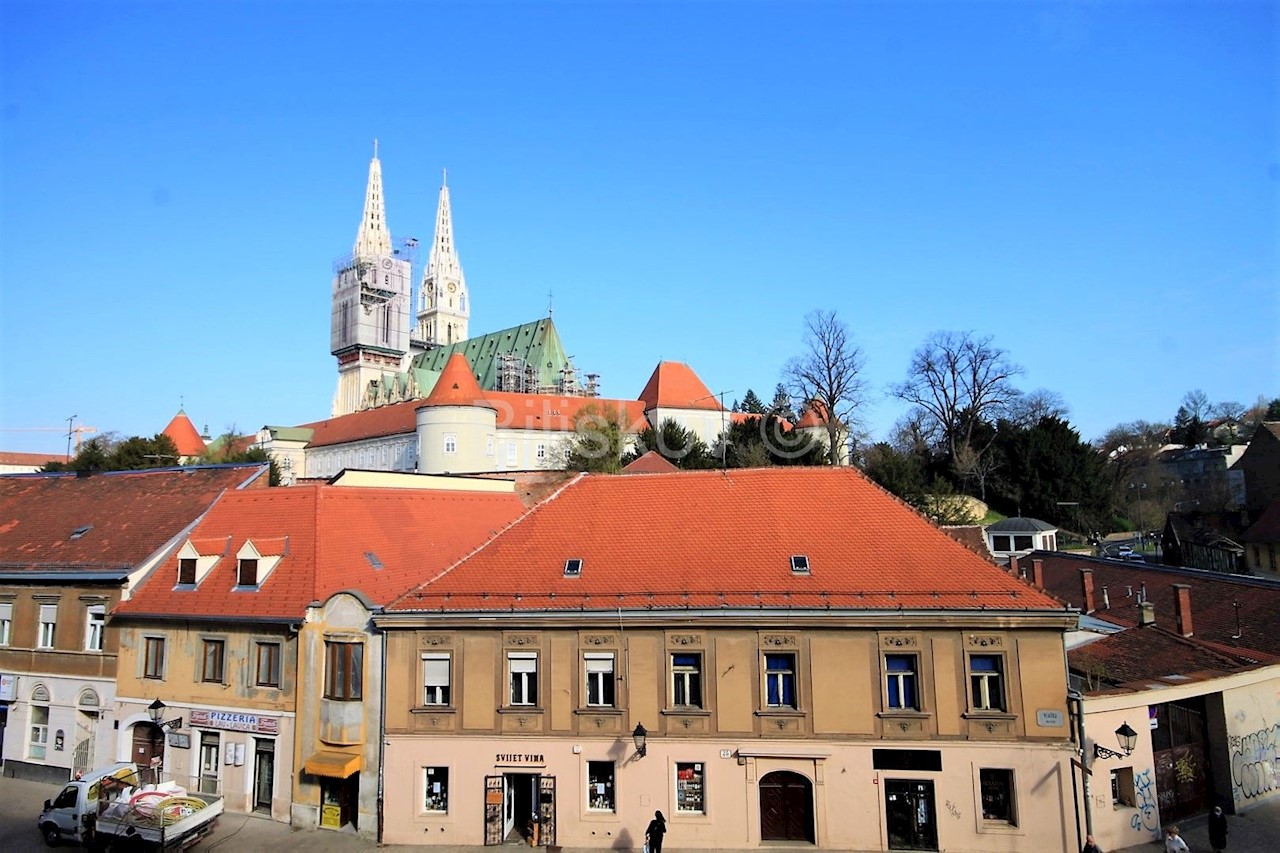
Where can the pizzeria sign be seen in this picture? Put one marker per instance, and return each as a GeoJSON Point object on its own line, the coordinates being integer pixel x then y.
{"type": "Point", "coordinates": [235, 721]}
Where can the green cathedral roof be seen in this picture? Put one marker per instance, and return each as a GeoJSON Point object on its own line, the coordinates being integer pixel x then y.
{"type": "Point", "coordinates": [537, 344]}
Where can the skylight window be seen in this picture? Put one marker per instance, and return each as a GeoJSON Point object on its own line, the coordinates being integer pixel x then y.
{"type": "Point", "coordinates": [800, 564]}
{"type": "Point", "coordinates": [81, 530]}
{"type": "Point", "coordinates": [373, 559]}
{"type": "Point", "coordinates": [572, 567]}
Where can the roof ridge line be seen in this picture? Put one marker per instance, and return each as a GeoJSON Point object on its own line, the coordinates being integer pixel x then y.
{"type": "Point", "coordinates": [527, 513]}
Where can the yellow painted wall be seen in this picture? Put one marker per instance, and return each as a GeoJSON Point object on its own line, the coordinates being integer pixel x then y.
{"type": "Point", "coordinates": [480, 676]}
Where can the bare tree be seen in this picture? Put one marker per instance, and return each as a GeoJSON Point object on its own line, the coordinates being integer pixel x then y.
{"type": "Point", "coordinates": [828, 375]}
{"type": "Point", "coordinates": [960, 380]}
{"type": "Point", "coordinates": [1026, 410]}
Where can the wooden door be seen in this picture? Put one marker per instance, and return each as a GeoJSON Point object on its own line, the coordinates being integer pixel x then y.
{"type": "Point", "coordinates": [786, 807]}
{"type": "Point", "coordinates": [148, 748]}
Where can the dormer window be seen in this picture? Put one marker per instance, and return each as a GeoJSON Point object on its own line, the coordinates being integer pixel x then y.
{"type": "Point", "coordinates": [572, 568]}
{"type": "Point", "coordinates": [187, 571]}
{"type": "Point", "coordinates": [247, 572]}
{"type": "Point", "coordinates": [800, 564]}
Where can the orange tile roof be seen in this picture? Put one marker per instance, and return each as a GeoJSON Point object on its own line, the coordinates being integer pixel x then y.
{"type": "Point", "coordinates": [324, 533]}
{"type": "Point", "coordinates": [815, 415]}
{"type": "Point", "coordinates": [37, 459]}
{"type": "Point", "coordinates": [1141, 655]}
{"type": "Point", "coordinates": [185, 435]}
{"type": "Point", "coordinates": [674, 385]}
{"type": "Point", "coordinates": [457, 386]}
{"type": "Point", "coordinates": [131, 514]}
{"type": "Point", "coordinates": [652, 462]}
{"type": "Point", "coordinates": [395, 419]}
{"type": "Point", "coordinates": [724, 539]}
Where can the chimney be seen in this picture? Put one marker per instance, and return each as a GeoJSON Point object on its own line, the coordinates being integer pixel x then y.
{"type": "Point", "coordinates": [1183, 596]}
{"type": "Point", "coordinates": [1146, 614]}
{"type": "Point", "coordinates": [1013, 565]}
{"type": "Point", "coordinates": [1086, 583]}
{"type": "Point", "coordinates": [1037, 573]}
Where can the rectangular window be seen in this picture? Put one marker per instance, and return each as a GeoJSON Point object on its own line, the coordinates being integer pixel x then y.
{"type": "Point", "coordinates": [1022, 543]}
{"type": "Point", "coordinates": [999, 543]}
{"type": "Point", "coordinates": [450, 442]}
{"type": "Point", "coordinates": [153, 660]}
{"type": "Point", "coordinates": [95, 624]}
{"type": "Point", "coordinates": [600, 786]}
{"type": "Point", "coordinates": [900, 683]}
{"type": "Point", "coordinates": [541, 452]}
{"type": "Point", "coordinates": [39, 731]}
{"type": "Point", "coordinates": [48, 623]}
{"type": "Point", "coordinates": [600, 681]}
{"type": "Point", "coordinates": [690, 788]}
{"type": "Point", "coordinates": [1122, 793]}
{"type": "Point", "coordinates": [686, 680]}
{"type": "Point", "coordinates": [435, 680]}
{"type": "Point", "coordinates": [986, 674]}
{"type": "Point", "coordinates": [248, 573]}
{"type": "Point", "coordinates": [6, 622]}
{"type": "Point", "coordinates": [780, 680]}
{"type": "Point", "coordinates": [268, 668]}
{"type": "Point", "coordinates": [997, 796]}
{"type": "Point", "coordinates": [211, 661]}
{"type": "Point", "coordinates": [435, 796]}
{"type": "Point", "coordinates": [187, 571]}
{"type": "Point", "coordinates": [512, 453]}
{"type": "Point", "coordinates": [344, 671]}
{"type": "Point", "coordinates": [523, 668]}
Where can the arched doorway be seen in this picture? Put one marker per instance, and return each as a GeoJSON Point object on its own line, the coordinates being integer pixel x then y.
{"type": "Point", "coordinates": [786, 807]}
{"type": "Point", "coordinates": [148, 746]}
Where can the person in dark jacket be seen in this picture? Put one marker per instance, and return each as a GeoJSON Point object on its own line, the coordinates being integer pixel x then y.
{"type": "Point", "coordinates": [1217, 830]}
{"type": "Point", "coordinates": [653, 835]}
{"type": "Point", "coordinates": [1090, 846]}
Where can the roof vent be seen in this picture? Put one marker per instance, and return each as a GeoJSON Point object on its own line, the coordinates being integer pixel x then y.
{"type": "Point", "coordinates": [572, 567]}
{"type": "Point", "coordinates": [799, 564]}
{"type": "Point", "coordinates": [373, 559]}
{"type": "Point", "coordinates": [81, 530]}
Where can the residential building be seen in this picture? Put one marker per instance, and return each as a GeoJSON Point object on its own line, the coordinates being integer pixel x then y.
{"type": "Point", "coordinates": [1208, 475]}
{"type": "Point", "coordinates": [1261, 543]}
{"type": "Point", "coordinates": [1259, 465]}
{"type": "Point", "coordinates": [13, 462]}
{"type": "Point", "coordinates": [71, 548]}
{"type": "Point", "coordinates": [1189, 662]}
{"type": "Point", "coordinates": [255, 635]}
{"type": "Point", "coordinates": [764, 655]}
{"type": "Point", "coordinates": [1204, 540]}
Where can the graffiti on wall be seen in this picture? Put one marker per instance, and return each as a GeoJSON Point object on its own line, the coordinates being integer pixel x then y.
{"type": "Point", "coordinates": [1147, 817]}
{"type": "Point", "coordinates": [1255, 769]}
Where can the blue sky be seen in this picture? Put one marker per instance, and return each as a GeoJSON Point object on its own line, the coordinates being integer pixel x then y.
{"type": "Point", "coordinates": [1095, 185]}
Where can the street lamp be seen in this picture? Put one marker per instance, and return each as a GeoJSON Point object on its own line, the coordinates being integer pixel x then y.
{"type": "Point", "coordinates": [640, 737]}
{"type": "Point", "coordinates": [156, 710]}
{"type": "Point", "coordinates": [1125, 736]}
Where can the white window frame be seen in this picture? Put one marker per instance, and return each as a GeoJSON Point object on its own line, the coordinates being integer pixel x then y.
{"type": "Point", "coordinates": [687, 675]}
{"type": "Point", "coordinates": [437, 687]}
{"type": "Point", "coordinates": [540, 451]}
{"type": "Point", "coordinates": [488, 445]}
{"type": "Point", "coordinates": [48, 635]}
{"type": "Point", "coordinates": [439, 803]}
{"type": "Point", "coordinates": [450, 443]}
{"type": "Point", "coordinates": [94, 628]}
{"type": "Point", "coordinates": [600, 671]}
{"type": "Point", "coordinates": [38, 744]}
{"type": "Point", "coordinates": [782, 677]}
{"type": "Point", "coordinates": [513, 453]}
{"type": "Point", "coordinates": [682, 804]}
{"type": "Point", "coordinates": [980, 682]}
{"type": "Point", "coordinates": [6, 622]}
{"type": "Point", "coordinates": [522, 691]}
{"type": "Point", "coordinates": [902, 678]}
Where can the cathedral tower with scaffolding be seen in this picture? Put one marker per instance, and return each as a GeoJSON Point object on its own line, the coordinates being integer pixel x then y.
{"type": "Point", "coordinates": [369, 330]}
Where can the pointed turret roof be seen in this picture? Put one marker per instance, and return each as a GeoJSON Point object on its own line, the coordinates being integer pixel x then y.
{"type": "Point", "coordinates": [674, 385]}
{"type": "Point", "coordinates": [184, 434]}
{"type": "Point", "coordinates": [457, 386]}
{"type": "Point", "coordinates": [443, 263]}
{"type": "Point", "coordinates": [373, 237]}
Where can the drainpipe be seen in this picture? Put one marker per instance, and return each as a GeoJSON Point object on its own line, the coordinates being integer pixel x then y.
{"type": "Point", "coordinates": [1077, 703]}
{"type": "Point", "coordinates": [382, 728]}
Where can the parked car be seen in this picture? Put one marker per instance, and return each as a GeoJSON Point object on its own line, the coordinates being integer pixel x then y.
{"type": "Point", "coordinates": [1124, 550]}
{"type": "Point", "coordinates": [1134, 558]}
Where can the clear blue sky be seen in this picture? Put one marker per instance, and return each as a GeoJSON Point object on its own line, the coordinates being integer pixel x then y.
{"type": "Point", "coordinates": [1093, 184]}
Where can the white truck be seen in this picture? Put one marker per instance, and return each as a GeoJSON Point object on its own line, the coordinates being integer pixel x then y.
{"type": "Point", "coordinates": [110, 809]}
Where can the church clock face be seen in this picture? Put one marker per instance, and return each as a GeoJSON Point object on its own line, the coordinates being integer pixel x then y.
{"type": "Point", "coordinates": [386, 263]}
{"type": "Point", "coordinates": [452, 287]}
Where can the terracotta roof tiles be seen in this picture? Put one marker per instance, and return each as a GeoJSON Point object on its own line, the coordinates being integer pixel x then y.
{"type": "Point", "coordinates": [674, 385]}
{"type": "Point", "coordinates": [185, 435]}
{"type": "Point", "coordinates": [725, 539]}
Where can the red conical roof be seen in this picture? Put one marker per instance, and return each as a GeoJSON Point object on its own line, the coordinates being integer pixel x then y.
{"type": "Point", "coordinates": [674, 385]}
{"type": "Point", "coordinates": [457, 386]}
{"type": "Point", "coordinates": [185, 435]}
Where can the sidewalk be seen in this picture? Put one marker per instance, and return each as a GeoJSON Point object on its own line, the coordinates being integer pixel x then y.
{"type": "Point", "coordinates": [1255, 831]}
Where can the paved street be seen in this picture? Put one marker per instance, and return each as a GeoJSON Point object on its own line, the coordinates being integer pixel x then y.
{"type": "Point", "coordinates": [20, 802]}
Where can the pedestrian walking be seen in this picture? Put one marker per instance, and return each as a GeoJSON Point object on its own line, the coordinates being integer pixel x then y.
{"type": "Point", "coordinates": [1217, 830]}
{"type": "Point", "coordinates": [1173, 842]}
{"type": "Point", "coordinates": [1090, 846]}
{"type": "Point", "coordinates": [653, 835]}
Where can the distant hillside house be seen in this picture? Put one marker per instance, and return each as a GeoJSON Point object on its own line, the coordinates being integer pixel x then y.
{"type": "Point", "coordinates": [1017, 536]}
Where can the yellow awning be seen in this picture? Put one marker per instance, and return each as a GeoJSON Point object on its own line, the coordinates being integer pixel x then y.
{"type": "Point", "coordinates": [337, 765]}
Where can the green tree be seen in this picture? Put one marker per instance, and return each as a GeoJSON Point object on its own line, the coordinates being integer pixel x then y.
{"type": "Point", "coordinates": [597, 441]}
{"type": "Point", "coordinates": [781, 405]}
{"type": "Point", "coordinates": [1045, 466]}
{"type": "Point", "coordinates": [230, 448]}
{"type": "Point", "coordinates": [680, 446]}
{"type": "Point", "coordinates": [109, 453]}
{"type": "Point", "coordinates": [766, 440]}
{"type": "Point", "coordinates": [901, 473]}
{"type": "Point", "coordinates": [751, 404]}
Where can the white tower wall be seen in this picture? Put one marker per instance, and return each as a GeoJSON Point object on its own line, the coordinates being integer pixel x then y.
{"type": "Point", "coordinates": [456, 439]}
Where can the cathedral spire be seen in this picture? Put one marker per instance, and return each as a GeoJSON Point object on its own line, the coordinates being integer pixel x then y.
{"type": "Point", "coordinates": [443, 311]}
{"type": "Point", "coordinates": [373, 238]}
